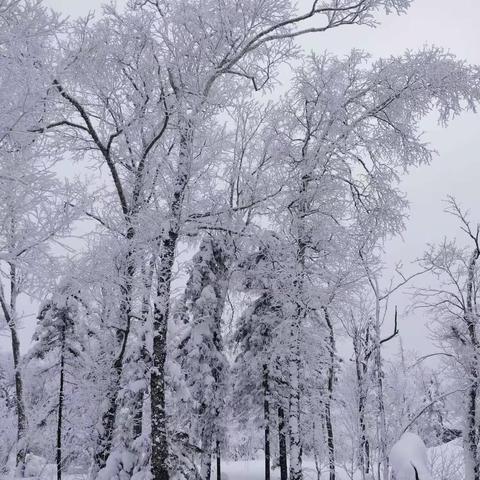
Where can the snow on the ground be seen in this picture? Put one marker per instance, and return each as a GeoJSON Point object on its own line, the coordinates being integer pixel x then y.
{"type": "Point", "coordinates": [254, 470]}
{"type": "Point", "coordinates": [446, 461]}
{"type": "Point", "coordinates": [241, 470]}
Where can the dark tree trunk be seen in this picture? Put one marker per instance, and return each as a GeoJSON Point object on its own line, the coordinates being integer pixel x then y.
{"type": "Point", "coordinates": [219, 462]}
{"type": "Point", "coordinates": [60, 407]}
{"type": "Point", "coordinates": [329, 399]}
{"type": "Point", "coordinates": [472, 433]}
{"type": "Point", "coordinates": [361, 371]}
{"type": "Point", "coordinates": [383, 465]}
{"type": "Point", "coordinates": [364, 443]}
{"type": "Point", "coordinates": [207, 445]}
{"type": "Point", "coordinates": [330, 444]}
{"type": "Point", "coordinates": [157, 379]}
{"type": "Point", "coordinates": [296, 471]}
{"type": "Point", "coordinates": [161, 312]}
{"type": "Point", "coordinates": [20, 406]}
{"type": "Point", "coordinates": [266, 413]}
{"type": "Point", "coordinates": [295, 361]}
{"type": "Point", "coordinates": [471, 320]}
{"type": "Point", "coordinates": [282, 445]}
{"type": "Point", "coordinates": [9, 313]}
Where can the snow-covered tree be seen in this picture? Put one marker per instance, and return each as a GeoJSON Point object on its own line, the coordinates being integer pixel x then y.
{"type": "Point", "coordinates": [200, 350]}
{"type": "Point", "coordinates": [35, 211]}
{"type": "Point", "coordinates": [349, 131]}
{"type": "Point", "coordinates": [56, 338]}
{"type": "Point", "coordinates": [453, 301]}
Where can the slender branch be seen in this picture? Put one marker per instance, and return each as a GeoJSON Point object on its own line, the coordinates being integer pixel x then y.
{"type": "Point", "coordinates": [96, 139]}
{"type": "Point", "coordinates": [421, 359]}
{"type": "Point", "coordinates": [424, 409]}
{"type": "Point", "coordinates": [58, 124]}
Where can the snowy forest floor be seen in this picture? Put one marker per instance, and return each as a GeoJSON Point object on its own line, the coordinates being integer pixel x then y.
{"type": "Point", "coordinates": [446, 462]}
{"type": "Point", "coordinates": [241, 470]}
{"type": "Point", "coordinates": [254, 470]}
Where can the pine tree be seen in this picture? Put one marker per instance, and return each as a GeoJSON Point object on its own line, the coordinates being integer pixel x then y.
{"type": "Point", "coordinates": [200, 350]}
{"type": "Point", "coordinates": [260, 376]}
{"type": "Point", "coordinates": [253, 368]}
{"type": "Point", "coordinates": [56, 338]}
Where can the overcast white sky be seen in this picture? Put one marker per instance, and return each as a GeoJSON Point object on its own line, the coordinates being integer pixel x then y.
{"type": "Point", "coordinates": [455, 26]}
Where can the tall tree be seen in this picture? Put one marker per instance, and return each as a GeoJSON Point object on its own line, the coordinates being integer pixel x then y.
{"type": "Point", "coordinates": [34, 212]}
{"type": "Point", "coordinates": [56, 336]}
{"type": "Point", "coordinates": [454, 305]}
{"type": "Point", "coordinates": [200, 351]}
{"type": "Point", "coordinates": [118, 109]}
{"type": "Point", "coordinates": [28, 223]}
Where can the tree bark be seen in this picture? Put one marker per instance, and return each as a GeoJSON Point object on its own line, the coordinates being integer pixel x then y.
{"type": "Point", "coordinates": [219, 462]}
{"type": "Point", "coordinates": [266, 414]}
{"type": "Point", "coordinates": [382, 423]}
{"type": "Point", "coordinates": [329, 399]}
{"type": "Point", "coordinates": [144, 354]}
{"type": "Point", "coordinates": [168, 244]}
{"type": "Point", "coordinates": [206, 461]}
{"type": "Point", "coordinates": [472, 433]}
{"type": "Point", "coordinates": [282, 444]}
{"type": "Point", "coordinates": [295, 334]}
{"type": "Point", "coordinates": [294, 416]}
{"type": "Point", "coordinates": [207, 446]}
{"type": "Point", "coordinates": [364, 447]}
{"type": "Point", "coordinates": [157, 379]}
{"type": "Point", "coordinates": [60, 406]}
{"type": "Point", "coordinates": [20, 406]}
{"type": "Point", "coordinates": [9, 313]}
{"type": "Point", "coordinates": [316, 457]}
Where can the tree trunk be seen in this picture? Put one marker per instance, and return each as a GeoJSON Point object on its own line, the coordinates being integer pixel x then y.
{"type": "Point", "coordinates": [364, 444]}
{"type": "Point", "coordinates": [328, 403]}
{"type": "Point", "coordinates": [144, 354]}
{"type": "Point", "coordinates": [219, 462]}
{"type": "Point", "coordinates": [157, 379]}
{"type": "Point", "coordinates": [330, 444]}
{"type": "Point", "coordinates": [316, 457]}
{"type": "Point", "coordinates": [206, 465]}
{"type": "Point", "coordinates": [471, 444]}
{"type": "Point", "coordinates": [266, 413]}
{"type": "Point", "coordinates": [207, 445]}
{"type": "Point", "coordinates": [282, 444]}
{"type": "Point", "coordinates": [472, 434]}
{"type": "Point", "coordinates": [168, 244]}
{"type": "Point", "coordinates": [294, 363]}
{"type": "Point", "coordinates": [60, 408]}
{"type": "Point", "coordinates": [109, 416]}
{"type": "Point", "coordinates": [105, 439]}
{"type": "Point", "coordinates": [383, 473]}
{"type": "Point", "coordinates": [361, 370]}
{"type": "Point", "coordinates": [294, 417]}
{"type": "Point", "coordinates": [10, 317]}
{"type": "Point", "coordinates": [20, 406]}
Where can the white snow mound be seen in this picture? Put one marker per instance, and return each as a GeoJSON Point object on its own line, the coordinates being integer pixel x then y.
{"type": "Point", "coordinates": [408, 458]}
